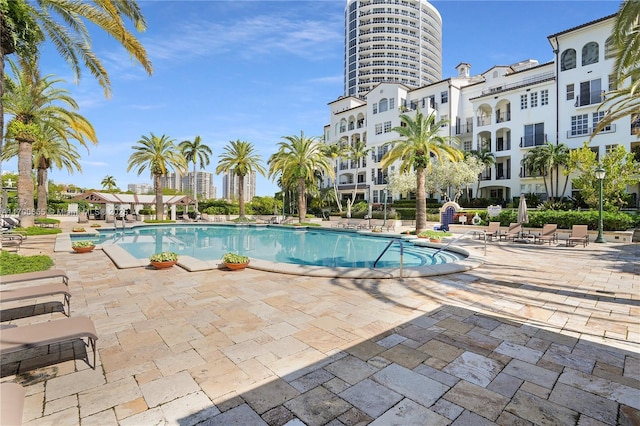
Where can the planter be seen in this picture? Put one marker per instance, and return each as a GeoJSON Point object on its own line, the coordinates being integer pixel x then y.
{"type": "Point", "coordinates": [435, 240]}
{"type": "Point", "coordinates": [83, 249]}
{"type": "Point", "coordinates": [236, 266]}
{"type": "Point", "coordinates": [164, 265]}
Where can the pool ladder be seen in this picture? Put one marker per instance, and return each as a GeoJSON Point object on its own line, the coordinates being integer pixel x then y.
{"type": "Point", "coordinates": [393, 240]}
{"type": "Point", "coordinates": [453, 241]}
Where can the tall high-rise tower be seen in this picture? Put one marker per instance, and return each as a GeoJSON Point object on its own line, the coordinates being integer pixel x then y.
{"type": "Point", "coordinates": [393, 41]}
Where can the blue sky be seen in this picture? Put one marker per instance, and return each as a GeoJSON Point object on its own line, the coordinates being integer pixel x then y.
{"type": "Point", "coordinates": [260, 70]}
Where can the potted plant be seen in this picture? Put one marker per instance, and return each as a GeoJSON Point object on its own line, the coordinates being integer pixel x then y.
{"type": "Point", "coordinates": [235, 261]}
{"type": "Point", "coordinates": [95, 225]}
{"type": "Point", "coordinates": [83, 246]}
{"type": "Point", "coordinates": [434, 236]}
{"type": "Point", "coordinates": [77, 229]}
{"type": "Point", "coordinates": [164, 259]}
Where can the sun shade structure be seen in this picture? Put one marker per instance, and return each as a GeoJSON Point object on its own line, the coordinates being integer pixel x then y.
{"type": "Point", "coordinates": [112, 199]}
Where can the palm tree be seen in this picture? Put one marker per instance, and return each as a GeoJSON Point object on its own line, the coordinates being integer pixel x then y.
{"type": "Point", "coordinates": [296, 161]}
{"type": "Point", "coordinates": [421, 141]}
{"type": "Point", "coordinates": [109, 182]}
{"type": "Point", "coordinates": [487, 158]}
{"type": "Point", "coordinates": [334, 152]}
{"type": "Point", "coordinates": [625, 100]}
{"type": "Point", "coordinates": [35, 104]}
{"type": "Point", "coordinates": [159, 154]}
{"type": "Point", "coordinates": [546, 160]}
{"type": "Point", "coordinates": [195, 152]}
{"type": "Point", "coordinates": [356, 153]}
{"type": "Point", "coordinates": [26, 24]}
{"type": "Point", "coordinates": [240, 159]}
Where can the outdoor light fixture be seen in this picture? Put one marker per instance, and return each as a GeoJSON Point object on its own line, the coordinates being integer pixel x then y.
{"type": "Point", "coordinates": [600, 174]}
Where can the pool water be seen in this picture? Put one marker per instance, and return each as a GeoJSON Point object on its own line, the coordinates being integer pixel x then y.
{"type": "Point", "coordinates": [301, 246]}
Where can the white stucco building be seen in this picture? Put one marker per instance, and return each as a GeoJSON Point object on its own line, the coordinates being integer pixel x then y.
{"type": "Point", "coordinates": [508, 109]}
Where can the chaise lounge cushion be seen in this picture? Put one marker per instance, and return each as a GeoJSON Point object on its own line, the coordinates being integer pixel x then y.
{"type": "Point", "coordinates": [11, 403]}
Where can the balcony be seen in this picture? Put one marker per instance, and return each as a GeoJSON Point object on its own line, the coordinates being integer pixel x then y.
{"type": "Point", "coordinates": [502, 176]}
{"type": "Point", "coordinates": [503, 117]}
{"type": "Point", "coordinates": [463, 129]}
{"type": "Point", "coordinates": [486, 175]}
{"type": "Point", "coordinates": [526, 82]}
{"type": "Point", "coordinates": [484, 121]}
{"type": "Point", "coordinates": [533, 140]}
{"type": "Point", "coordinates": [590, 99]}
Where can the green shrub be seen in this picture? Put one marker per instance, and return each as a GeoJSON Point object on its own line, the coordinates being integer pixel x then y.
{"type": "Point", "coordinates": [13, 263]}
{"type": "Point", "coordinates": [159, 221]}
{"type": "Point", "coordinates": [234, 258]}
{"type": "Point", "coordinates": [37, 230]}
{"type": "Point", "coordinates": [566, 219]}
{"type": "Point", "coordinates": [164, 256]}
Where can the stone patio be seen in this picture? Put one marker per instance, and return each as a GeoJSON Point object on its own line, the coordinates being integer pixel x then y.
{"type": "Point", "coordinates": [537, 335]}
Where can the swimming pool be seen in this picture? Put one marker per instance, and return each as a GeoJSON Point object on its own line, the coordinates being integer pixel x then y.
{"type": "Point", "coordinates": [299, 246]}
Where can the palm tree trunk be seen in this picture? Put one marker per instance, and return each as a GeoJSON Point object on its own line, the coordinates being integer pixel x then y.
{"type": "Point", "coordinates": [421, 202]}
{"type": "Point", "coordinates": [195, 187]}
{"type": "Point", "coordinates": [241, 195]}
{"type": "Point", "coordinates": [25, 182]}
{"type": "Point", "coordinates": [42, 192]}
{"type": "Point", "coordinates": [159, 204]}
{"type": "Point", "coordinates": [302, 207]}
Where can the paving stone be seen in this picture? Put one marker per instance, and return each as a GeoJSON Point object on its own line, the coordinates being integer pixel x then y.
{"type": "Point", "coordinates": [241, 415]}
{"type": "Point", "coordinates": [413, 385]}
{"type": "Point", "coordinates": [103, 418]}
{"type": "Point", "coordinates": [391, 341]}
{"type": "Point", "coordinates": [365, 350]}
{"type": "Point", "coordinates": [475, 398]}
{"type": "Point", "coordinates": [474, 368]}
{"type": "Point", "coordinates": [68, 417]}
{"type": "Point", "coordinates": [311, 380]}
{"type": "Point", "coordinates": [168, 388]}
{"type": "Point", "coordinates": [277, 416]}
{"type": "Point", "coordinates": [447, 409]}
{"type": "Point", "coordinates": [107, 396]}
{"type": "Point", "coordinates": [317, 407]}
{"type": "Point", "coordinates": [60, 404]}
{"type": "Point", "coordinates": [519, 352]}
{"type": "Point", "coordinates": [407, 412]}
{"type": "Point", "coordinates": [419, 335]}
{"type": "Point", "coordinates": [351, 369]}
{"type": "Point", "coordinates": [441, 350]}
{"type": "Point", "coordinates": [370, 397]}
{"type": "Point", "coordinates": [470, 418]}
{"type": "Point", "coordinates": [505, 384]}
{"type": "Point", "coordinates": [270, 395]}
{"type": "Point", "coordinates": [74, 383]}
{"type": "Point", "coordinates": [629, 416]}
{"type": "Point", "coordinates": [509, 419]}
{"type": "Point", "coordinates": [189, 410]}
{"type": "Point", "coordinates": [354, 417]}
{"type": "Point", "coordinates": [336, 385]}
{"type": "Point", "coordinates": [404, 356]}
{"type": "Point", "coordinates": [298, 422]}
{"type": "Point", "coordinates": [531, 373]}
{"type": "Point", "coordinates": [562, 355]}
{"type": "Point", "coordinates": [436, 375]}
{"type": "Point", "coordinates": [605, 388]}
{"type": "Point", "coordinates": [540, 411]}
{"type": "Point", "coordinates": [589, 421]}
{"type": "Point", "coordinates": [130, 408]}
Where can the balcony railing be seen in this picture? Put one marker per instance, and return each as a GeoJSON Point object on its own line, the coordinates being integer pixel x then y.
{"type": "Point", "coordinates": [586, 131]}
{"type": "Point", "coordinates": [463, 129]}
{"type": "Point", "coordinates": [593, 98]}
{"type": "Point", "coordinates": [484, 121]}
{"type": "Point", "coordinates": [533, 140]}
{"type": "Point", "coordinates": [525, 82]}
{"type": "Point", "coordinates": [503, 117]}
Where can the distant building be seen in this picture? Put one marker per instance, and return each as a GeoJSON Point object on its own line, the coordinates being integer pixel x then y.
{"type": "Point", "coordinates": [230, 186]}
{"type": "Point", "coordinates": [205, 189]}
{"type": "Point", "coordinates": [140, 188]}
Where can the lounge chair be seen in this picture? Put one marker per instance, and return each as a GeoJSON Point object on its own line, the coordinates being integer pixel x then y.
{"type": "Point", "coordinates": [493, 230]}
{"type": "Point", "coordinates": [24, 337]}
{"type": "Point", "coordinates": [39, 275]}
{"type": "Point", "coordinates": [515, 229]}
{"type": "Point", "coordinates": [549, 233]}
{"type": "Point", "coordinates": [579, 234]}
{"type": "Point", "coordinates": [35, 292]}
{"type": "Point", "coordinates": [11, 403]}
{"type": "Point", "coordinates": [129, 218]}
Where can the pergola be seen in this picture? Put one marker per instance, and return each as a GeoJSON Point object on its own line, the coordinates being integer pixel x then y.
{"type": "Point", "coordinates": [132, 201]}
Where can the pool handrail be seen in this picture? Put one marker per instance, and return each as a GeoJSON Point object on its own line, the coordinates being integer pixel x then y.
{"type": "Point", "coordinates": [444, 247]}
{"type": "Point", "coordinates": [393, 240]}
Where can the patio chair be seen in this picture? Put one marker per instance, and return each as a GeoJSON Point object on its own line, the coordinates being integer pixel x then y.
{"type": "Point", "coordinates": [16, 339]}
{"type": "Point", "coordinates": [342, 223]}
{"type": "Point", "coordinates": [493, 230]}
{"type": "Point", "coordinates": [36, 292]}
{"type": "Point", "coordinates": [579, 234]}
{"type": "Point", "coordinates": [549, 233]}
{"type": "Point", "coordinates": [515, 229]}
{"type": "Point", "coordinates": [11, 403]}
{"type": "Point", "coordinates": [83, 217]}
{"type": "Point", "coordinates": [129, 218]}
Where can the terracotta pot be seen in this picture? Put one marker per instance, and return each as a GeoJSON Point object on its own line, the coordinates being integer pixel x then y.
{"type": "Point", "coordinates": [83, 249]}
{"type": "Point", "coordinates": [164, 265]}
{"type": "Point", "coordinates": [236, 266]}
{"type": "Point", "coordinates": [435, 240]}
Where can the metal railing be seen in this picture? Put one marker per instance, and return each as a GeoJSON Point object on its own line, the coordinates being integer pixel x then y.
{"type": "Point", "coordinates": [451, 242]}
{"type": "Point", "coordinates": [393, 240]}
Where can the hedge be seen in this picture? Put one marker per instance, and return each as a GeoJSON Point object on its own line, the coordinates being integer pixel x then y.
{"type": "Point", "coordinates": [566, 219]}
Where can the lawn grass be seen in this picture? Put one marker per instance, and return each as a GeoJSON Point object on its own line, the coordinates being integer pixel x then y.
{"type": "Point", "coordinates": [14, 263]}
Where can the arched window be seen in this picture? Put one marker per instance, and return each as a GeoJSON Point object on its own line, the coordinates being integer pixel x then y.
{"type": "Point", "coordinates": [590, 53]}
{"type": "Point", "coordinates": [568, 60]}
{"type": "Point", "coordinates": [609, 48]}
{"type": "Point", "coordinates": [495, 74]}
{"type": "Point", "coordinates": [343, 125]}
{"type": "Point", "coordinates": [383, 105]}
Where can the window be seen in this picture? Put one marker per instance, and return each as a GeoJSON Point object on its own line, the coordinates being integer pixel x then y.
{"type": "Point", "coordinates": [590, 93]}
{"type": "Point", "coordinates": [568, 60]}
{"type": "Point", "coordinates": [580, 125]}
{"type": "Point", "coordinates": [534, 99]}
{"type": "Point", "coordinates": [379, 129]}
{"type": "Point", "coordinates": [612, 82]}
{"type": "Point", "coordinates": [523, 101]}
{"type": "Point", "coordinates": [534, 134]}
{"type": "Point", "coordinates": [570, 91]}
{"type": "Point", "coordinates": [467, 145]}
{"type": "Point", "coordinates": [383, 105]}
{"type": "Point", "coordinates": [610, 48]}
{"type": "Point", "coordinates": [445, 121]}
{"type": "Point", "coordinates": [590, 53]}
{"type": "Point", "coordinates": [375, 108]}
{"type": "Point", "coordinates": [609, 149]}
{"type": "Point", "coordinates": [544, 97]}
{"type": "Point", "coordinates": [387, 126]}
{"type": "Point", "coordinates": [595, 119]}
{"type": "Point", "coordinates": [444, 97]}
{"type": "Point", "coordinates": [392, 103]}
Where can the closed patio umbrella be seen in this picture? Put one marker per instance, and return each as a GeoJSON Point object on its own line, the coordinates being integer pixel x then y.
{"type": "Point", "coordinates": [523, 216]}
